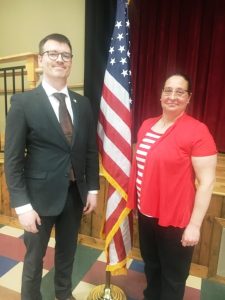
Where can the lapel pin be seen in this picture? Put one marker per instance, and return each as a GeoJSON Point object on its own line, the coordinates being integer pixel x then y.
{"type": "Point", "coordinates": [75, 100]}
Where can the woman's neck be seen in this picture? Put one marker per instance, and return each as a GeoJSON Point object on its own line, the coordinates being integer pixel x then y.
{"type": "Point", "coordinates": [168, 119]}
{"type": "Point", "coordinates": [165, 122]}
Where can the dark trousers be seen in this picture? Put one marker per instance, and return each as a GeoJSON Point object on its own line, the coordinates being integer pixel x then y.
{"type": "Point", "coordinates": [167, 262]}
{"type": "Point", "coordinates": [66, 232]}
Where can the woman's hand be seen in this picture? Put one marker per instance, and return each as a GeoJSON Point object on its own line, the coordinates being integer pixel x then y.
{"type": "Point", "coordinates": [191, 235]}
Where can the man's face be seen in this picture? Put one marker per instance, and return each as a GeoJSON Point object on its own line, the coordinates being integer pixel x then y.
{"type": "Point", "coordinates": [55, 68]}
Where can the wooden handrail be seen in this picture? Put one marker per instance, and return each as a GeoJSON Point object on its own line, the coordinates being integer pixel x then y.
{"type": "Point", "coordinates": [31, 63]}
{"type": "Point", "coordinates": [32, 70]}
{"type": "Point", "coordinates": [17, 57]}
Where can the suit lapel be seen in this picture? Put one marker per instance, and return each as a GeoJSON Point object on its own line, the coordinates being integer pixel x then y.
{"type": "Point", "coordinates": [50, 114]}
{"type": "Point", "coordinates": [75, 108]}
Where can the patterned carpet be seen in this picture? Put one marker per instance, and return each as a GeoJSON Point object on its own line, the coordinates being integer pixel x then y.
{"type": "Point", "coordinates": [89, 271]}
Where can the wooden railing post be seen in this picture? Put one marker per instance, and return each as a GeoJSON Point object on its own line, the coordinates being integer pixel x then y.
{"type": "Point", "coordinates": [31, 66]}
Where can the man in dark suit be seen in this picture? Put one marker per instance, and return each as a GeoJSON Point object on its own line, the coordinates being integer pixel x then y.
{"type": "Point", "coordinates": [52, 175]}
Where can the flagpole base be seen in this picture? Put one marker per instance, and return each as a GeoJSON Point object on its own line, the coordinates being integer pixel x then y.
{"type": "Point", "coordinates": [100, 292]}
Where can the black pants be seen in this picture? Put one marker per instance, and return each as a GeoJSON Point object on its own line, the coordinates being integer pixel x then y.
{"type": "Point", "coordinates": [66, 232]}
{"type": "Point", "coordinates": [167, 262]}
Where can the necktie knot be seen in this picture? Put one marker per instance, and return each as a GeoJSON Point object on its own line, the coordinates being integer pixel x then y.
{"type": "Point", "coordinates": [64, 116]}
{"type": "Point", "coordinates": [60, 96]}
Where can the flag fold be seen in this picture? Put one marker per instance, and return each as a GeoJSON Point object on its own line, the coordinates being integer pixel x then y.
{"type": "Point", "coordinates": [114, 136]}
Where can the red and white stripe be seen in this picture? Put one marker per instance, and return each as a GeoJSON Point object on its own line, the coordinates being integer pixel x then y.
{"type": "Point", "coordinates": [141, 153]}
{"type": "Point", "coordinates": [114, 132]}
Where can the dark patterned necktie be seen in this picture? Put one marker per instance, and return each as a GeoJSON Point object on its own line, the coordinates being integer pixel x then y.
{"type": "Point", "coordinates": [65, 122]}
{"type": "Point", "coordinates": [64, 117]}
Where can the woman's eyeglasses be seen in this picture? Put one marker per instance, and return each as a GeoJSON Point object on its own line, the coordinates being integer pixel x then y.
{"type": "Point", "coordinates": [177, 92]}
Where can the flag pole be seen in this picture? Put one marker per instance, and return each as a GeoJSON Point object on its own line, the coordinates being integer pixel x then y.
{"type": "Point", "coordinates": [107, 291]}
{"type": "Point", "coordinates": [114, 132]}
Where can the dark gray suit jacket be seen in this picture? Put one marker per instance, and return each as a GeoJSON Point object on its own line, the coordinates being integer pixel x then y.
{"type": "Point", "coordinates": [38, 156]}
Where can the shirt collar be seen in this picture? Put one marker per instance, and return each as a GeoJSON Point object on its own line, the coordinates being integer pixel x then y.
{"type": "Point", "coordinates": [51, 90]}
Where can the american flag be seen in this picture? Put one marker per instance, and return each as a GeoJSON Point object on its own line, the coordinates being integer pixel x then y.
{"type": "Point", "coordinates": [114, 134]}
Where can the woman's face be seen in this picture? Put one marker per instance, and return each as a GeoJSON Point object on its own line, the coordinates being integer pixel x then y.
{"type": "Point", "coordinates": [175, 96]}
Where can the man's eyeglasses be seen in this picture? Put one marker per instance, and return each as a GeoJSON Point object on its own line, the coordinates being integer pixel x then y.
{"type": "Point", "coordinates": [177, 92]}
{"type": "Point", "coordinates": [53, 55]}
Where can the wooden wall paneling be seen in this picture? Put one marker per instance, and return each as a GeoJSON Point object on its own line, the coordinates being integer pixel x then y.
{"type": "Point", "coordinates": [1, 171]}
{"type": "Point", "coordinates": [91, 224]}
{"type": "Point", "coordinates": [5, 198]}
{"type": "Point", "coordinates": [2, 141]}
{"type": "Point", "coordinates": [94, 223]}
{"type": "Point", "coordinates": [204, 245]}
{"type": "Point", "coordinates": [196, 254]}
{"type": "Point", "coordinates": [223, 208]}
{"type": "Point", "coordinates": [215, 246]}
{"type": "Point", "coordinates": [215, 206]}
{"type": "Point", "coordinates": [5, 208]}
{"type": "Point", "coordinates": [85, 227]}
{"type": "Point", "coordinates": [214, 210]}
{"type": "Point", "coordinates": [98, 216]}
{"type": "Point", "coordinates": [198, 270]}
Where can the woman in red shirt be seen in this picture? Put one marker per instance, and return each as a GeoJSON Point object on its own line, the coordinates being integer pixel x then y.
{"type": "Point", "coordinates": [172, 151]}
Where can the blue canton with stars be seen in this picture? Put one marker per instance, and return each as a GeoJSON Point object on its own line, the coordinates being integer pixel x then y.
{"type": "Point", "coordinates": [119, 55]}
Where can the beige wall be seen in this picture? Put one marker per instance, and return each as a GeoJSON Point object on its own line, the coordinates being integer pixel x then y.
{"type": "Point", "coordinates": [23, 23]}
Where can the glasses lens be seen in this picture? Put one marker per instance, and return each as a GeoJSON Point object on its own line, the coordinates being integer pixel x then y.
{"type": "Point", "coordinates": [66, 56]}
{"type": "Point", "coordinates": [177, 92]}
{"type": "Point", "coordinates": [168, 91]}
{"type": "Point", "coordinates": [180, 92]}
{"type": "Point", "coordinates": [52, 55]}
